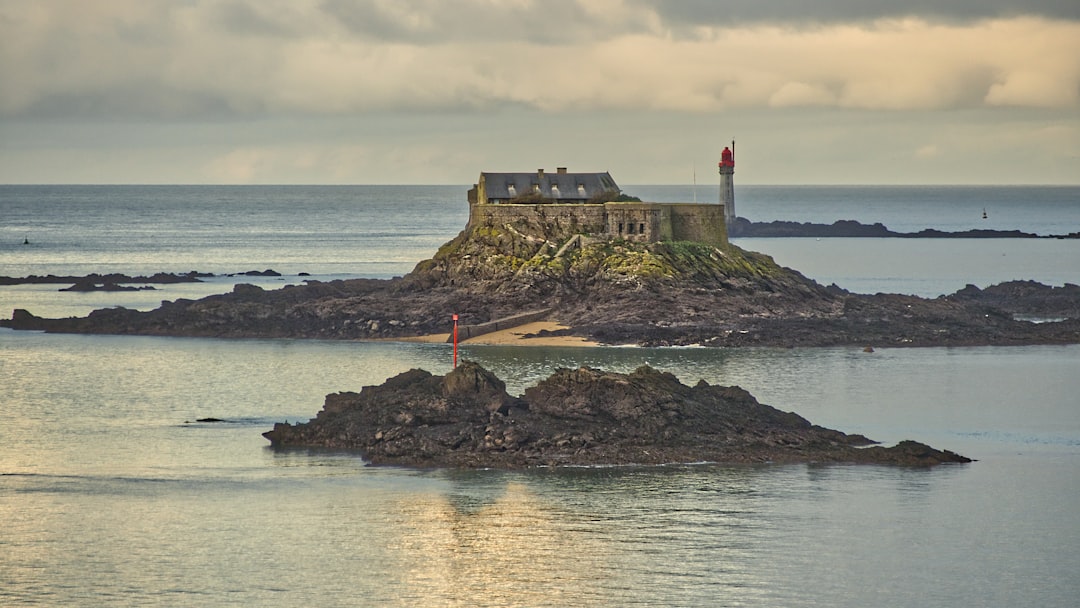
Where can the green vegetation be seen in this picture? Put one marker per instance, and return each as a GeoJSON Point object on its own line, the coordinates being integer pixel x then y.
{"type": "Point", "coordinates": [612, 196]}
{"type": "Point", "coordinates": [690, 257]}
{"type": "Point", "coordinates": [504, 252]}
{"type": "Point", "coordinates": [642, 263]}
{"type": "Point", "coordinates": [486, 231]}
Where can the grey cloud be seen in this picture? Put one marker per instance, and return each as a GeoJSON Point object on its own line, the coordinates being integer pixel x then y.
{"type": "Point", "coordinates": [246, 18]}
{"type": "Point", "coordinates": [135, 102]}
{"type": "Point", "coordinates": [239, 59]}
{"type": "Point", "coordinates": [435, 21]}
{"type": "Point", "coordinates": [677, 13]}
{"type": "Point", "coordinates": [367, 20]}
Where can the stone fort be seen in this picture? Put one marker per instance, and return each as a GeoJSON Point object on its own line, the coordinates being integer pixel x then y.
{"type": "Point", "coordinates": [590, 205]}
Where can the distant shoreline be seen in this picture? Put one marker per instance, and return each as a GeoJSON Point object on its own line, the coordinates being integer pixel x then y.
{"type": "Point", "coordinates": [95, 279]}
{"type": "Point", "coordinates": [744, 228]}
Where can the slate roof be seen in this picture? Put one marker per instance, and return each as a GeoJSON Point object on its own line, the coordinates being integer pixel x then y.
{"type": "Point", "coordinates": [569, 186]}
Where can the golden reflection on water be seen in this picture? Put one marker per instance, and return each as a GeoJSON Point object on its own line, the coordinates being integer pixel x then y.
{"type": "Point", "coordinates": [580, 538]}
{"type": "Point", "coordinates": [510, 550]}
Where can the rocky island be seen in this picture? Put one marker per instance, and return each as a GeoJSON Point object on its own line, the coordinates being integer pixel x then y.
{"type": "Point", "coordinates": [618, 292]}
{"type": "Point", "coordinates": [577, 417]}
{"type": "Point", "coordinates": [608, 269]}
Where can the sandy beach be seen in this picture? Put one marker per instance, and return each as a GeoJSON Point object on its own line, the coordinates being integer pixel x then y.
{"type": "Point", "coordinates": [522, 335]}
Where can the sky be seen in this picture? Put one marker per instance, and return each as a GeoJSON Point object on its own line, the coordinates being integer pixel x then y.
{"type": "Point", "coordinates": [436, 91]}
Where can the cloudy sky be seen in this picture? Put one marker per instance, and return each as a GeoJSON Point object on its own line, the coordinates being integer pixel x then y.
{"type": "Point", "coordinates": [435, 91]}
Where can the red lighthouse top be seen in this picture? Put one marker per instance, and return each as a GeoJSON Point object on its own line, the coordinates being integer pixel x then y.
{"type": "Point", "coordinates": [727, 158]}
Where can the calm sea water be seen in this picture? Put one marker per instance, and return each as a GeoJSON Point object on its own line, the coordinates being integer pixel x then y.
{"type": "Point", "coordinates": [110, 497]}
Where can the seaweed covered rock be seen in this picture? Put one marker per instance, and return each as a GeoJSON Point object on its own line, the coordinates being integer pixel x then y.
{"type": "Point", "coordinates": [608, 290]}
{"type": "Point", "coordinates": [575, 417]}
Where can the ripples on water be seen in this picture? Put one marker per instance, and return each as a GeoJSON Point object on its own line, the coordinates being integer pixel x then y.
{"type": "Point", "coordinates": [110, 496]}
{"type": "Point", "coordinates": [680, 536]}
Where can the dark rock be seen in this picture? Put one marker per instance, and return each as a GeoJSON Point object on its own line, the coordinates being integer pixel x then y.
{"type": "Point", "coordinates": [840, 228]}
{"type": "Point", "coordinates": [24, 319]}
{"type": "Point", "coordinates": [95, 279]}
{"type": "Point", "coordinates": [743, 227]}
{"type": "Point", "coordinates": [86, 286]}
{"type": "Point", "coordinates": [1027, 298]}
{"type": "Point", "coordinates": [247, 290]}
{"type": "Point", "coordinates": [611, 291]}
{"type": "Point", "coordinates": [258, 273]}
{"type": "Point", "coordinates": [576, 417]}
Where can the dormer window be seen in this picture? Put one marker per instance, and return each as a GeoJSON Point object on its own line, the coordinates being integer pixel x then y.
{"type": "Point", "coordinates": [512, 190]}
{"type": "Point", "coordinates": [581, 189]}
{"type": "Point", "coordinates": [555, 191]}
{"type": "Point", "coordinates": [536, 188]}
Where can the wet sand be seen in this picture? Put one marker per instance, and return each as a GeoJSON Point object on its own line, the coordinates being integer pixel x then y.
{"type": "Point", "coordinates": [515, 336]}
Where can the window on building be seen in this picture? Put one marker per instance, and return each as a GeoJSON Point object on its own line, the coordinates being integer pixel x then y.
{"type": "Point", "coordinates": [620, 227]}
{"type": "Point", "coordinates": [641, 229]}
{"type": "Point", "coordinates": [630, 229]}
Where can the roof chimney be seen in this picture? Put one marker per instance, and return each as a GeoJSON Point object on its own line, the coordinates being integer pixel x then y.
{"type": "Point", "coordinates": [561, 170]}
{"type": "Point", "coordinates": [540, 173]}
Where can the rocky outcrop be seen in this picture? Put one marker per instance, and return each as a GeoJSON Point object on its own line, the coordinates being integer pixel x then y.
{"type": "Point", "coordinates": [743, 227]}
{"type": "Point", "coordinates": [119, 280]}
{"type": "Point", "coordinates": [609, 291]}
{"type": "Point", "coordinates": [164, 278]}
{"type": "Point", "coordinates": [87, 286]}
{"type": "Point", "coordinates": [576, 417]}
{"type": "Point", "coordinates": [1025, 298]}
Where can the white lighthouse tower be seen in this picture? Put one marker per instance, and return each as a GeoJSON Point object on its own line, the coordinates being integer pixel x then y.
{"type": "Point", "coordinates": [727, 185]}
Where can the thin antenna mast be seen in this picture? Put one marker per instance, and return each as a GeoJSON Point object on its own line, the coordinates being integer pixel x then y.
{"type": "Point", "coordinates": [695, 183]}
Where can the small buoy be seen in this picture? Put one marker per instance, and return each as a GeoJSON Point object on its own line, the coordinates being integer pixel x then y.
{"type": "Point", "coordinates": [26, 240]}
{"type": "Point", "coordinates": [868, 349]}
{"type": "Point", "coordinates": [984, 213]}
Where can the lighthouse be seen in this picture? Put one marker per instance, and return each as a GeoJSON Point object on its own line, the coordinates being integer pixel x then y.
{"type": "Point", "coordinates": [727, 185]}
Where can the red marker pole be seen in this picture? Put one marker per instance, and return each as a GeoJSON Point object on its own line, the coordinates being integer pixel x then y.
{"type": "Point", "coordinates": [455, 340]}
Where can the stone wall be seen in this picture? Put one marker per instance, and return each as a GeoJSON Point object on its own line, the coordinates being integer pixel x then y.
{"type": "Point", "coordinates": [646, 222]}
{"type": "Point", "coordinates": [471, 331]}
{"type": "Point", "coordinates": [635, 221]}
{"type": "Point", "coordinates": [552, 222]}
{"type": "Point", "coordinates": [696, 222]}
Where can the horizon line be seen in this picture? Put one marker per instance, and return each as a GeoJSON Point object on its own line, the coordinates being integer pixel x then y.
{"type": "Point", "coordinates": [463, 184]}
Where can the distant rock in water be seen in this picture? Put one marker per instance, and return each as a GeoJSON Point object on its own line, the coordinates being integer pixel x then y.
{"type": "Point", "coordinates": [257, 273]}
{"type": "Point", "coordinates": [743, 227]}
{"type": "Point", "coordinates": [779, 228]}
{"type": "Point", "coordinates": [87, 286]}
{"type": "Point", "coordinates": [576, 417]}
{"type": "Point", "coordinates": [106, 279]}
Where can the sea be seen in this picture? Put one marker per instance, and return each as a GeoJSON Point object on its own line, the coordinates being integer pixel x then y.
{"type": "Point", "coordinates": [112, 493]}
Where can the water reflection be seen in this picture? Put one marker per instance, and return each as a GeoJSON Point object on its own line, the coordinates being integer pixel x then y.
{"type": "Point", "coordinates": [583, 536]}
{"type": "Point", "coordinates": [476, 546]}
{"type": "Point", "coordinates": [105, 494]}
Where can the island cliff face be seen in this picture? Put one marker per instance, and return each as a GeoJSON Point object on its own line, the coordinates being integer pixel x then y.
{"type": "Point", "coordinates": [610, 290]}
{"type": "Point", "coordinates": [576, 417]}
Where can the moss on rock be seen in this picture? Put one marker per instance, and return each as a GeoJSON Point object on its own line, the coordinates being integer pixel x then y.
{"type": "Point", "coordinates": [508, 252]}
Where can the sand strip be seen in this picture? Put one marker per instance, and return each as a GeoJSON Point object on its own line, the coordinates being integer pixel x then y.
{"type": "Point", "coordinates": [515, 336]}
